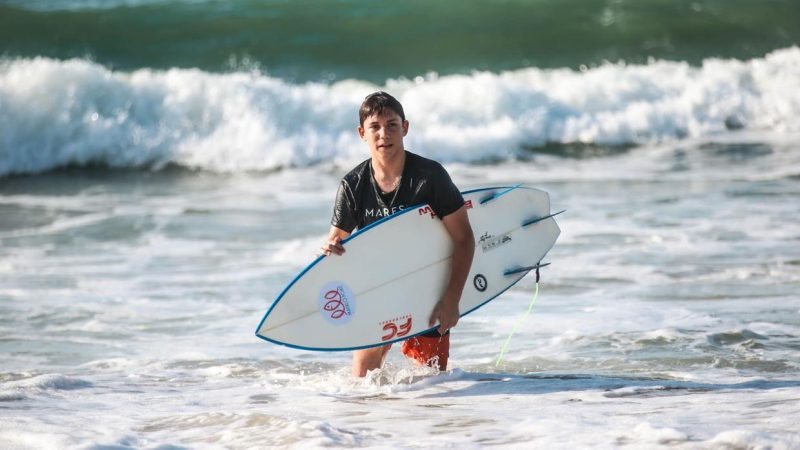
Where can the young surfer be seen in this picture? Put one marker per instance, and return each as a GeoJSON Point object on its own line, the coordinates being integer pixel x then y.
{"type": "Point", "coordinates": [389, 181]}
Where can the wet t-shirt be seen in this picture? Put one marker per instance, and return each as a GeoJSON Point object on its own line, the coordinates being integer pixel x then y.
{"type": "Point", "coordinates": [359, 201]}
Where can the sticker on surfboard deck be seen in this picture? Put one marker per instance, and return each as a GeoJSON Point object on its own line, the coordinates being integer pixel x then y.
{"type": "Point", "coordinates": [480, 282]}
{"type": "Point", "coordinates": [337, 303]}
{"type": "Point", "coordinates": [397, 327]}
{"type": "Point", "coordinates": [490, 241]}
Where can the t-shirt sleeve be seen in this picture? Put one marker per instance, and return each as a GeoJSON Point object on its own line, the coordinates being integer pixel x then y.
{"type": "Point", "coordinates": [344, 209]}
{"type": "Point", "coordinates": [445, 196]}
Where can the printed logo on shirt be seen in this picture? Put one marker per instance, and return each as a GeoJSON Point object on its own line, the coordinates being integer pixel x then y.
{"type": "Point", "coordinates": [379, 213]}
{"type": "Point", "coordinates": [337, 304]}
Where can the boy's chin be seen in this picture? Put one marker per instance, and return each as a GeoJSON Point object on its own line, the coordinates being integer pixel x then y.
{"type": "Point", "coordinates": [387, 149]}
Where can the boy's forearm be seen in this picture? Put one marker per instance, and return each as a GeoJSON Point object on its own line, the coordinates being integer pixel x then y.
{"type": "Point", "coordinates": [461, 263]}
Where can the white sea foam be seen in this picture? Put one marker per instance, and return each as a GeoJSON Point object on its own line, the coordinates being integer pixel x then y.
{"type": "Point", "coordinates": [668, 318]}
{"type": "Point", "coordinates": [48, 382]}
{"type": "Point", "coordinates": [57, 113]}
{"type": "Point", "coordinates": [297, 252]}
{"type": "Point", "coordinates": [755, 440]}
{"type": "Point", "coordinates": [21, 389]}
{"type": "Point", "coordinates": [34, 440]}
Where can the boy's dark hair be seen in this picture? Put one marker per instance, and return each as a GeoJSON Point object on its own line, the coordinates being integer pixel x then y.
{"type": "Point", "coordinates": [378, 103]}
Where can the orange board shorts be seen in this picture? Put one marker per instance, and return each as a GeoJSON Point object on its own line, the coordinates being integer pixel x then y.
{"type": "Point", "coordinates": [430, 349]}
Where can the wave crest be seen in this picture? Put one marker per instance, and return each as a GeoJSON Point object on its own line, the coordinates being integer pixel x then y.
{"type": "Point", "coordinates": [75, 112]}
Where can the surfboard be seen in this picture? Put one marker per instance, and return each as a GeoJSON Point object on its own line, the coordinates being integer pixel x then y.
{"type": "Point", "coordinates": [383, 289]}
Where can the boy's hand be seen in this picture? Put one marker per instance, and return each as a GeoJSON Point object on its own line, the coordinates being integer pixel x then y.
{"type": "Point", "coordinates": [446, 313]}
{"type": "Point", "coordinates": [333, 246]}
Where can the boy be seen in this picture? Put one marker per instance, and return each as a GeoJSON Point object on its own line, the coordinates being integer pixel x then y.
{"type": "Point", "coordinates": [389, 181]}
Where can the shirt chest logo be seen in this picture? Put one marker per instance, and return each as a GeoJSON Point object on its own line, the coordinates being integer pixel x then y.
{"type": "Point", "coordinates": [379, 213]}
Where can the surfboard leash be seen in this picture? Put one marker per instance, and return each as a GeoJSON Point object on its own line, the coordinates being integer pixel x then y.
{"type": "Point", "coordinates": [519, 321]}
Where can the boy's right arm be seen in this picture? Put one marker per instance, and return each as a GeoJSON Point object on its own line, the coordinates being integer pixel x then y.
{"type": "Point", "coordinates": [333, 245]}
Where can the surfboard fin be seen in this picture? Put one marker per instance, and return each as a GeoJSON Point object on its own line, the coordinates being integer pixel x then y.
{"type": "Point", "coordinates": [533, 220]}
{"type": "Point", "coordinates": [516, 270]}
{"type": "Point", "coordinates": [497, 194]}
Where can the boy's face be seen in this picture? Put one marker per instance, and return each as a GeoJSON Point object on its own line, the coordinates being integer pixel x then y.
{"type": "Point", "coordinates": [384, 133]}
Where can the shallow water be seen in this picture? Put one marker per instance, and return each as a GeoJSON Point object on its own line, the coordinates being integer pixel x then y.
{"type": "Point", "coordinates": [669, 316]}
{"type": "Point", "coordinates": [167, 166]}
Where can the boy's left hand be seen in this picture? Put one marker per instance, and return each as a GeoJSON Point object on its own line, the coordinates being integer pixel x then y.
{"type": "Point", "coordinates": [446, 313]}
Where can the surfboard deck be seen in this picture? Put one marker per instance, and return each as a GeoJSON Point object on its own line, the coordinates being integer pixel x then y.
{"type": "Point", "coordinates": [383, 289]}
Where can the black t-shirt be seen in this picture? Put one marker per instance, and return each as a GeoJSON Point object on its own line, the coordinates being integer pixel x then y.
{"type": "Point", "coordinates": [359, 201]}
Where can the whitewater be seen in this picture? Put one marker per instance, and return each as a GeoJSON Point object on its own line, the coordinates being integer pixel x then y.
{"type": "Point", "coordinates": [668, 317]}
{"type": "Point", "coordinates": [57, 114]}
{"type": "Point", "coordinates": [149, 217]}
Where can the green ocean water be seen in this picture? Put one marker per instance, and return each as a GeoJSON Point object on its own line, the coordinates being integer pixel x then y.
{"type": "Point", "coordinates": [166, 169]}
{"type": "Point", "coordinates": [375, 40]}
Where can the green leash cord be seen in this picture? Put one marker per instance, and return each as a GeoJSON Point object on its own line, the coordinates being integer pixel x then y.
{"type": "Point", "coordinates": [519, 322]}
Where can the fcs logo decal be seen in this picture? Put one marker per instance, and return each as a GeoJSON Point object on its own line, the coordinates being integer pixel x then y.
{"type": "Point", "coordinates": [395, 329]}
{"type": "Point", "coordinates": [427, 210]}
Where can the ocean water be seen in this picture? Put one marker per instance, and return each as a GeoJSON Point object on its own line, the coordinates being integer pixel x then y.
{"type": "Point", "coordinates": [166, 167]}
{"type": "Point", "coordinates": [323, 40]}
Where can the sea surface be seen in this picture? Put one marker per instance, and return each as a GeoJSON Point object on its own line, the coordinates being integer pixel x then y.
{"type": "Point", "coordinates": [167, 166]}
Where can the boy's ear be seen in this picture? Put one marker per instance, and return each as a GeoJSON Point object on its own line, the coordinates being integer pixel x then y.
{"type": "Point", "coordinates": [405, 127]}
{"type": "Point", "coordinates": [361, 131]}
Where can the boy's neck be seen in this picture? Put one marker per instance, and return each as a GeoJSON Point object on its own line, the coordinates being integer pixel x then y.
{"type": "Point", "coordinates": [386, 167]}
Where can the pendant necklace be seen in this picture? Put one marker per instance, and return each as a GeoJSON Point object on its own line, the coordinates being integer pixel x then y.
{"type": "Point", "coordinates": [378, 191]}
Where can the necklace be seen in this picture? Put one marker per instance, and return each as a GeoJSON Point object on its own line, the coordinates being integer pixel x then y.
{"type": "Point", "coordinates": [394, 187]}
{"type": "Point", "coordinates": [379, 192]}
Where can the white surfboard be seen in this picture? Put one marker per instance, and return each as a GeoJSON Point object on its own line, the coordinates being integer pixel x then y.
{"type": "Point", "coordinates": [383, 289]}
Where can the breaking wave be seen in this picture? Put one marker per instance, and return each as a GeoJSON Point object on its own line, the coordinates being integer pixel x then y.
{"type": "Point", "coordinates": [76, 112]}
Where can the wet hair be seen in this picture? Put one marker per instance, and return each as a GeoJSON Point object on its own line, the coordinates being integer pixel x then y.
{"type": "Point", "coordinates": [379, 103]}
